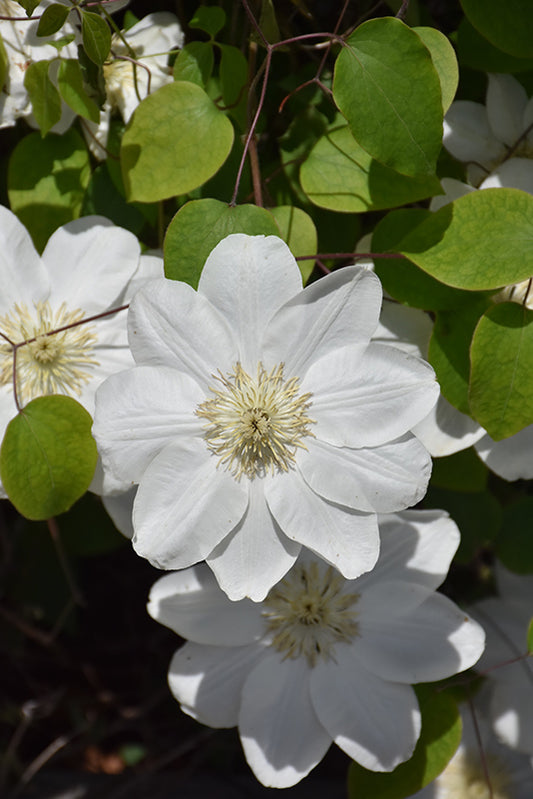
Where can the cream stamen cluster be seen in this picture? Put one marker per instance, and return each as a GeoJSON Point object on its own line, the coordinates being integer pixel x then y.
{"type": "Point", "coordinates": [256, 424]}
{"type": "Point", "coordinates": [59, 363]}
{"type": "Point", "coordinates": [463, 778]}
{"type": "Point", "coordinates": [309, 612]}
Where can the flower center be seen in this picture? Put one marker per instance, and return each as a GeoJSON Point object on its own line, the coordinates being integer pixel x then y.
{"type": "Point", "coordinates": [59, 363]}
{"type": "Point", "coordinates": [256, 424]}
{"type": "Point", "coordinates": [463, 778]}
{"type": "Point", "coordinates": [309, 612]}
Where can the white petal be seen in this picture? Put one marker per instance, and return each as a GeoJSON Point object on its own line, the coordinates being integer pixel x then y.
{"type": "Point", "coordinates": [256, 555]}
{"type": "Point", "coordinates": [24, 277]}
{"type": "Point", "coordinates": [446, 430]}
{"type": "Point", "coordinates": [344, 538]}
{"type": "Point", "coordinates": [453, 189]}
{"type": "Point", "coordinates": [506, 103]}
{"type": "Point", "coordinates": [425, 644]}
{"type": "Point", "coordinates": [416, 546]}
{"type": "Point", "coordinates": [376, 723]}
{"type": "Point", "coordinates": [468, 136]}
{"type": "Point", "coordinates": [516, 173]}
{"type": "Point", "coordinates": [338, 310]}
{"type": "Point", "coordinates": [138, 412]}
{"type": "Point", "coordinates": [208, 680]}
{"type": "Point", "coordinates": [170, 324]}
{"type": "Point", "coordinates": [120, 509]}
{"type": "Point", "coordinates": [370, 400]}
{"type": "Point", "coordinates": [511, 457]}
{"type": "Point", "coordinates": [185, 506]}
{"type": "Point", "coordinates": [247, 278]}
{"type": "Point", "coordinates": [512, 709]}
{"type": "Point", "coordinates": [280, 733]}
{"type": "Point", "coordinates": [409, 329]}
{"type": "Point", "coordinates": [383, 479]}
{"type": "Point", "coordinates": [90, 261]}
{"type": "Point", "coordinates": [191, 603]}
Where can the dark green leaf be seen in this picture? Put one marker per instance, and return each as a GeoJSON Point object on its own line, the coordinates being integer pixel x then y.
{"type": "Point", "coordinates": [72, 90]}
{"type": "Point", "coordinates": [449, 349]}
{"type": "Point", "coordinates": [210, 19]}
{"type": "Point", "coordinates": [508, 27]}
{"type": "Point", "coordinates": [514, 544]}
{"type": "Point", "coordinates": [29, 6]}
{"type": "Point", "coordinates": [474, 51]}
{"type": "Point", "coordinates": [462, 471]}
{"type": "Point", "coordinates": [48, 456]}
{"type": "Point", "coordinates": [4, 64]}
{"type": "Point", "coordinates": [389, 91]}
{"type": "Point", "coordinates": [52, 19]}
{"type": "Point", "coordinates": [96, 37]}
{"type": "Point", "coordinates": [45, 99]}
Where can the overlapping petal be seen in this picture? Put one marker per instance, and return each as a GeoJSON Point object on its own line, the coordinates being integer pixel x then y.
{"type": "Point", "coordinates": [357, 707]}
{"type": "Point", "coordinates": [281, 735]}
{"type": "Point", "coordinates": [257, 539]}
{"type": "Point", "coordinates": [179, 493]}
{"type": "Point", "coordinates": [170, 324]}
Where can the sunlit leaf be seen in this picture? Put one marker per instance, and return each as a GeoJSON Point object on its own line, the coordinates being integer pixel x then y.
{"type": "Point", "coordinates": [45, 99]}
{"type": "Point", "coordinates": [52, 19]}
{"type": "Point", "coordinates": [501, 384]}
{"type": "Point", "coordinates": [48, 456]}
{"type": "Point", "coordinates": [96, 37]}
{"type": "Point", "coordinates": [72, 90]}
{"type": "Point", "coordinates": [444, 61]}
{"type": "Point", "coordinates": [210, 19]}
{"type": "Point", "coordinates": [176, 140]}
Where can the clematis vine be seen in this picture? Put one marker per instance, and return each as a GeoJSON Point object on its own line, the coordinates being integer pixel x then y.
{"type": "Point", "coordinates": [260, 419]}
{"type": "Point", "coordinates": [322, 659]}
{"type": "Point", "coordinates": [57, 291]}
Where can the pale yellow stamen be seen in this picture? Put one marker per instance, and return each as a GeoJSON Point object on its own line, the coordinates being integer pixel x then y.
{"type": "Point", "coordinates": [463, 778]}
{"type": "Point", "coordinates": [256, 424]}
{"type": "Point", "coordinates": [60, 363]}
{"type": "Point", "coordinates": [309, 612]}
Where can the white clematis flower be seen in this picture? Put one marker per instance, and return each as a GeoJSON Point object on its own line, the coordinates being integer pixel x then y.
{"type": "Point", "coordinates": [148, 43]}
{"type": "Point", "coordinates": [323, 658]}
{"type": "Point", "coordinates": [261, 419]}
{"type": "Point", "coordinates": [484, 136]}
{"type": "Point", "coordinates": [85, 270]}
{"type": "Point", "coordinates": [510, 774]}
{"type": "Point", "coordinates": [23, 47]}
{"type": "Point", "coordinates": [506, 620]}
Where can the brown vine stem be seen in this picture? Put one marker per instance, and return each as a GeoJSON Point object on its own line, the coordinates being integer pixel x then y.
{"type": "Point", "coordinates": [53, 529]}
{"type": "Point", "coordinates": [270, 48]}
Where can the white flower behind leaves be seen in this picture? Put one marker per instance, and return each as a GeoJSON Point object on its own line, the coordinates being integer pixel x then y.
{"type": "Point", "coordinates": [484, 136]}
{"type": "Point", "coordinates": [506, 620]}
{"type": "Point", "coordinates": [480, 754]}
{"type": "Point", "coordinates": [85, 270]}
{"type": "Point", "coordinates": [322, 659]}
{"type": "Point", "coordinates": [137, 66]}
{"type": "Point", "coordinates": [260, 418]}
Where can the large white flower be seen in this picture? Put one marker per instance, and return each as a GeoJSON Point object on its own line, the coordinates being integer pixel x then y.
{"type": "Point", "coordinates": [137, 66]}
{"type": "Point", "coordinates": [85, 270]}
{"type": "Point", "coordinates": [506, 620]}
{"type": "Point", "coordinates": [323, 658]}
{"type": "Point", "coordinates": [259, 418]}
{"type": "Point", "coordinates": [510, 774]}
{"type": "Point", "coordinates": [484, 136]}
